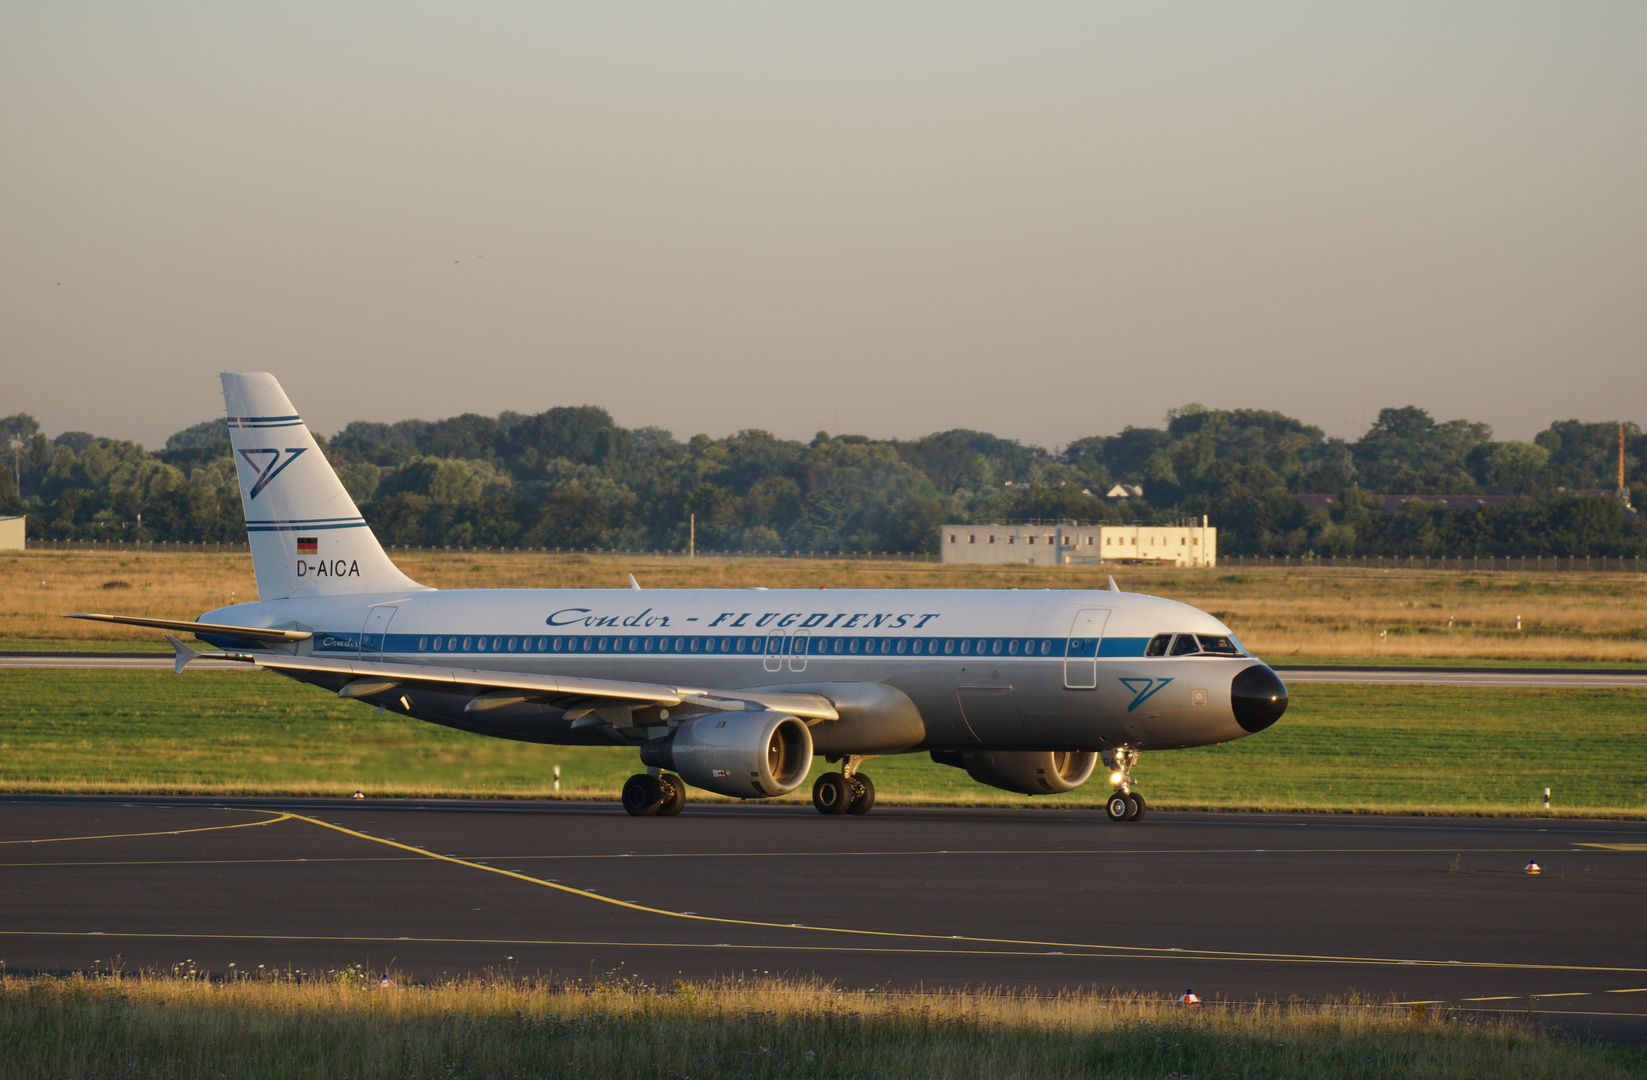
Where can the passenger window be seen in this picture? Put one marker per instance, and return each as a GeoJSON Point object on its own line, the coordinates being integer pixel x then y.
{"type": "Point", "coordinates": [1012, 647]}
{"type": "Point", "coordinates": [422, 643]}
{"type": "Point", "coordinates": [886, 645]}
{"type": "Point", "coordinates": [852, 646]}
{"type": "Point", "coordinates": [1184, 645]}
{"type": "Point", "coordinates": [466, 642]}
{"type": "Point", "coordinates": [966, 647]}
{"type": "Point", "coordinates": [541, 643]}
{"type": "Point", "coordinates": [511, 644]}
{"type": "Point", "coordinates": [949, 645]}
{"type": "Point", "coordinates": [1158, 645]}
{"type": "Point", "coordinates": [1046, 647]}
{"type": "Point", "coordinates": [902, 646]}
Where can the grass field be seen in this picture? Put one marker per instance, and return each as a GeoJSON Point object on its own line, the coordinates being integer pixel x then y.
{"type": "Point", "coordinates": [1282, 615]}
{"type": "Point", "coordinates": [1340, 748]}
{"type": "Point", "coordinates": [348, 1025]}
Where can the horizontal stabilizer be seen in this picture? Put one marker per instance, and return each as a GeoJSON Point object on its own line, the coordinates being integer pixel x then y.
{"type": "Point", "coordinates": [249, 633]}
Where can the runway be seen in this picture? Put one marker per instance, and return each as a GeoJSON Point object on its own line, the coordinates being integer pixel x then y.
{"type": "Point", "coordinates": [1238, 906]}
{"type": "Point", "coordinates": [1549, 678]}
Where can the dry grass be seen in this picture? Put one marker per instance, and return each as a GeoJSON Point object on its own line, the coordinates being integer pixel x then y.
{"type": "Point", "coordinates": [346, 1023]}
{"type": "Point", "coordinates": [1280, 614]}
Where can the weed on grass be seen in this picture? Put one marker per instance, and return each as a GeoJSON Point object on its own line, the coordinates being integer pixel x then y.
{"type": "Point", "coordinates": [363, 1025]}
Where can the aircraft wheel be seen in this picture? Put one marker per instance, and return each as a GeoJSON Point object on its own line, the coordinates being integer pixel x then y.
{"type": "Point", "coordinates": [1138, 806]}
{"type": "Point", "coordinates": [674, 796]}
{"type": "Point", "coordinates": [863, 794]}
{"type": "Point", "coordinates": [642, 795]}
{"type": "Point", "coordinates": [831, 793]}
{"type": "Point", "coordinates": [1119, 806]}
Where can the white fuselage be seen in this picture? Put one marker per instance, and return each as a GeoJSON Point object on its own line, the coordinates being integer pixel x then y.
{"type": "Point", "coordinates": [1062, 670]}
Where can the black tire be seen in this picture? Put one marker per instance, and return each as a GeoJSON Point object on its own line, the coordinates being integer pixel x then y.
{"type": "Point", "coordinates": [642, 795]}
{"type": "Point", "coordinates": [831, 793]}
{"type": "Point", "coordinates": [1138, 806]}
{"type": "Point", "coordinates": [674, 795]}
{"type": "Point", "coordinates": [1119, 806]}
{"type": "Point", "coordinates": [863, 795]}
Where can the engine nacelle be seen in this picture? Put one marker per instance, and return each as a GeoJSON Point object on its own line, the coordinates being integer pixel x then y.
{"type": "Point", "coordinates": [747, 755]}
{"type": "Point", "coordinates": [1028, 772]}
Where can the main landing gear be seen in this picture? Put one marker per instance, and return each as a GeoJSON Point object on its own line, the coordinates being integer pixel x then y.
{"type": "Point", "coordinates": [1124, 803]}
{"type": "Point", "coordinates": [646, 795]}
{"type": "Point", "coordinates": [846, 792]}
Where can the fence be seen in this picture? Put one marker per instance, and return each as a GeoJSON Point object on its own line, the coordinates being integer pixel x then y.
{"type": "Point", "coordinates": [1483, 563]}
{"type": "Point", "coordinates": [212, 546]}
{"type": "Point", "coordinates": [1527, 563]}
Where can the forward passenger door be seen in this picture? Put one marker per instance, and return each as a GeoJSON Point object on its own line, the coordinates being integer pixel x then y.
{"type": "Point", "coordinates": [1086, 633]}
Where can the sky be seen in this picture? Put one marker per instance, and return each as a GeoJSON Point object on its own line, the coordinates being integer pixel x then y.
{"type": "Point", "coordinates": [1042, 220]}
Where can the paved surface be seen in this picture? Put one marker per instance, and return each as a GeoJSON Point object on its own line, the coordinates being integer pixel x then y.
{"type": "Point", "coordinates": [1544, 677]}
{"type": "Point", "coordinates": [1233, 905]}
{"type": "Point", "coordinates": [157, 661]}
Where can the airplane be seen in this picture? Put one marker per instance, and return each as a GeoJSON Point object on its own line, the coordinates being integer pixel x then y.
{"type": "Point", "coordinates": [732, 691]}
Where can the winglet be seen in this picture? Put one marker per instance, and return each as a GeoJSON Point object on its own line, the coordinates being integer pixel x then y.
{"type": "Point", "coordinates": [1112, 586]}
{"type": "Point", "coordinates": [184, 654]}
{"type": "Point", "coordinates": [633, 584]}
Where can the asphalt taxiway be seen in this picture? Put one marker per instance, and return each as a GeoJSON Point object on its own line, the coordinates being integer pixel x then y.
{"type": "Point", "coordinates": [1239, 906]}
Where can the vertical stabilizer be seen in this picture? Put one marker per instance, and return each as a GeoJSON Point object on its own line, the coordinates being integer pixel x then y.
{"type": "Point", "coordinates": [306, 534]}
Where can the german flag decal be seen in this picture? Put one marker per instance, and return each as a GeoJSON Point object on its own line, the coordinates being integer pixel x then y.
{"type": "Point", "coordinates": [307, 545]}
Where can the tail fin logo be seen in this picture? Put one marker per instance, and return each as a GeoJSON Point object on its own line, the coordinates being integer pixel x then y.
{"type": "Point", "coordinates": [273, 467]}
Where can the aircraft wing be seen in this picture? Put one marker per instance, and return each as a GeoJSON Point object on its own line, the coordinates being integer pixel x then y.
{"type": "Point", "coordinates": [492, 689]}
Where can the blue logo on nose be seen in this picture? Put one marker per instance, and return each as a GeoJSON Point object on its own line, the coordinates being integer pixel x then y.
{"type": "Point", "coordinates": [1143, 690]}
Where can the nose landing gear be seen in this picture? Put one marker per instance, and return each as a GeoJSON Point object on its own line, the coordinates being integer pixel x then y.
{"type": "Point", "coordinates": [1124, 804]}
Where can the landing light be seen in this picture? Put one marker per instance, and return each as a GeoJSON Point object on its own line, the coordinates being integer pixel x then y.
{"type": "Point", "coordinates": [1115, 778]}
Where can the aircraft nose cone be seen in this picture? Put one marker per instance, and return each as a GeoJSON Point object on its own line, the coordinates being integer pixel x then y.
{"type": "Point", "coordinates": [1258, 698]}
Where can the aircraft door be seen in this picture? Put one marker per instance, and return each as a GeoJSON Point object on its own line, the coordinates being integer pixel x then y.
{"type": "Point", "coordinates": [376, 631]}
{"type": "Point", "coordinates": [1081, 651]}
{"type": "Point", "coordinates": [775, 642]}
{"type": "Point", "coordinates": [797, 649]}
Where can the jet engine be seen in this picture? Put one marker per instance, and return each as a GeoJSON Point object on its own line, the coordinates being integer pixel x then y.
{"type": "Point", "coordinates": [747, 755]}
{"type": "Point", "coordinates": [1028, 772]}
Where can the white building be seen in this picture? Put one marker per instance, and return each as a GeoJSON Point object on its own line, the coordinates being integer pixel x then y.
{"type": "Point", "coordinates": [11, 533]}
{"type": "Point", "coordinates": [1184, 544]}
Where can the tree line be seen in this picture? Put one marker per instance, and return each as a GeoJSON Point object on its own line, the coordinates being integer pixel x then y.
{"type": "Point", "coordinates": [570, 477]}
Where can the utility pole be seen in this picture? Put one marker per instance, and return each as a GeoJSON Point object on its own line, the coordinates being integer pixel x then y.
{"type": "Point", "coordinates": [1623, 492]}
{"type": "Point", "coordinates": [692, 536]}
{"type": "Point", "coordinates": [17, 464]}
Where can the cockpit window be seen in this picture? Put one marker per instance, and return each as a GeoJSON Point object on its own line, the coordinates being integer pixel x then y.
{"type": "Point", "coordinates": [1184, 645]}
{"type": "Point", "coordinates": [1158, 645]}
{"type": "Point", "coordinates": [1218, 645]}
